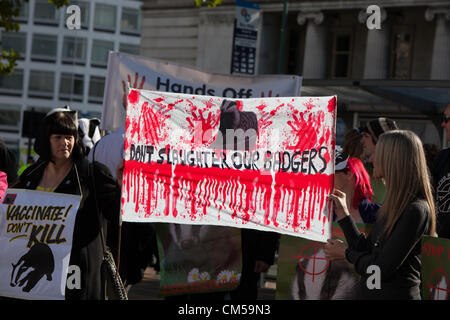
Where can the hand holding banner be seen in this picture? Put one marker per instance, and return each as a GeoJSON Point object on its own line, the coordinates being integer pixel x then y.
{"type": "Point", "coordinates": [264, 164]}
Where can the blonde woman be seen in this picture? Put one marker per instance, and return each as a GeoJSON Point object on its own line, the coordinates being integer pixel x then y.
{"type": "Point", "coordinates": [393, 246]}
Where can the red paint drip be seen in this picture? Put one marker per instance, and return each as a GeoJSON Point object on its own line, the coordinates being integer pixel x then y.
{"type": "Point", "coordinates": [248, 191]}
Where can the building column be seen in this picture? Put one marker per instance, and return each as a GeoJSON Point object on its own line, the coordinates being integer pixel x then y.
{"type": "Point", "coordinates": [440, 62]}
{"type": "Point", "coordinates": [376, 63]}
{"type": "Point", "coordinates": [315, 57]}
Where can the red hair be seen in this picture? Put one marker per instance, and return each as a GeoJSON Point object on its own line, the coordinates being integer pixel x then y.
{"type": "Point", "coordinates": [363, 190]}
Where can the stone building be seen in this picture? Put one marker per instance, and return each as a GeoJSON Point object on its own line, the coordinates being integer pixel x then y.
{"type": "Point", "coordinates": [59, 66]}
{"type": "Point", "coordinates": [401, 70]}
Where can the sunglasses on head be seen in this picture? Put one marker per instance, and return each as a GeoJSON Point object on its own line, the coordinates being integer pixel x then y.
{"type": "Point", "coordinates": [445, 118]}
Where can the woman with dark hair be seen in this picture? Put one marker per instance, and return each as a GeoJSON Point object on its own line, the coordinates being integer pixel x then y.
{"type": "Point", "coordinates": [62, 168]}
{"type": "Point", "coordinates": [393, 246]}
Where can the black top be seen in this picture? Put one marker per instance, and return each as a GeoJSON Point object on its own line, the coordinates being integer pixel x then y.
{"type": "Point", "coordinates": [397, 256]}
{"type": "Point", "coordinates": [87, 250]}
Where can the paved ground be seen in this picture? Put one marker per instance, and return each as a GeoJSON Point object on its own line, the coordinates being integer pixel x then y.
{"type": "Point", "coordinates": [148, 288]}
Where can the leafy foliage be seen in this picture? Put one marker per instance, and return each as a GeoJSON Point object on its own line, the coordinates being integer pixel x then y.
{"type": "Point", "coordinates": [209, 3]}
{"type": "Point", "coordinates": [9, 11]}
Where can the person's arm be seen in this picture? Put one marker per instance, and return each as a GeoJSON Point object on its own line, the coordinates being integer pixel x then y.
{"type": "Point", "coordinates": [408, 231]}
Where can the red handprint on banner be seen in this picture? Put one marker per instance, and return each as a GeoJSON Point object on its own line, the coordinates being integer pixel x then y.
{"type": "Point", "coordinates": [305, 130]}
{"type": "Point", "coordinates": [155, 122]}
{"type": "Point", "coordinates": [134, 85]}
{"type": "Point", "coordinates": [264, 120]}
{"type": "Point", "coordinates": [200, 122]}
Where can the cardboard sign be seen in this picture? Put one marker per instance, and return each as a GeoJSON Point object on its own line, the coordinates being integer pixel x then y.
{"type": "Point", "coordinates": [264, 164]}
{"type": "Point", "coordinates": [435, 268]}
{"type": "Point", "coordinates": [36, 230]}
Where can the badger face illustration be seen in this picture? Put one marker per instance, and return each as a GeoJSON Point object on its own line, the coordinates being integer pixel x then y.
{"type": "Point", "coordinates": [32, 266]}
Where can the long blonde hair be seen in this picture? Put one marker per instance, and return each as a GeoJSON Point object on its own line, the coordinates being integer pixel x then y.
{"type": "Point", "coordinates": [400, 156]}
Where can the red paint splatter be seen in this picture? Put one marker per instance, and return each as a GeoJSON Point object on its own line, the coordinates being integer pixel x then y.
{"type": "Point", "coordinates": [305, 131]}
{"type": "Point", "coordinates": [133, 96]}
{"type": "Point", "coordinates": [332, 104]}
{"type": "Point", "coordinates": [239, 105]}
{"type": "Point", "coordinates": [202, 122]}
{"type": "Point", "coordinates": [240, 193]}
{"type": "Point", "coordinates": [154, 122]}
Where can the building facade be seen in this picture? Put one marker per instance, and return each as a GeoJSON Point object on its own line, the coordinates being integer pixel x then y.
{"type": "Point", "coordinates": [401, 70]}
{"type": "Point", "coordinates": [59, 66]}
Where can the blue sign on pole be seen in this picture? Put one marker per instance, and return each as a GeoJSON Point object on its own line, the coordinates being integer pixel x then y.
{"type": "Point", "coordinates": [246, 25]}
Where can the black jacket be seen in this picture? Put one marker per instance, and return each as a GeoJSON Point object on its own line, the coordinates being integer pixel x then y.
{"type": "Point", "coordinates": [397, 256]}
{"type": "Point", "coordinates": [87, 251]}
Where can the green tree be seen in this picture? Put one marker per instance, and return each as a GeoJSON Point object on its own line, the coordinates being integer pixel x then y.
{"type": "Point", "coordinates": [209, 3]}
{"type": "Point", "coordinates": [9, 11]}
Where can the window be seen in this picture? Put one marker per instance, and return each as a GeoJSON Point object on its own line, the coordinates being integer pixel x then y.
{"type": "Point", "coordinates": [12, 84]}
{"type": "Point", "coordinates": [44, 47]}
{"type": "Point", "coordinates": [23, 13]}
{"type": "Point", "coordinates": [105, 17]}
{"type": "Point", "coordinates": [16, 41]}
{"type": "Point", "coordinates": [71, 87]}
{"type": "Point", "coordinates": [45, 13]}
{"type": "Point", "coordinates": [9, 117]}
{"type": "Point", "coordinates": [100, 52]}
{"type": "Point", "coordinates": [41, 84]}
{"type": "Point", "coordinates": [84, 12]}
{"type": "Point", "coordinates": [96, 89]}
{"type": "Point", "coordinates": [74, 50]}
{"type": "Point", "coordinates": [401, 55]}
{"type": "Point", "coordinates": [342, 48]}
{"type": "Point", "coordinates": [129, 48]}
{"type": "Point", "coordinates": [130, 23]}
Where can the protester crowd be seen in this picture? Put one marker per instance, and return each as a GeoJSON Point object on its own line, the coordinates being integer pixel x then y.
{"type": "Point", "coordinates": [383, 176]}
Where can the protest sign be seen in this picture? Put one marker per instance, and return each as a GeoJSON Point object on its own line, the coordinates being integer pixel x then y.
{"type": "Point", "coordinates": [36, 230]}
{"type": "Point", "coordinates": [198, 258]}
{"type": "Point", "coordinates": [435, 268]}
{"type": "Point", "coordinates": [304, 273]}
{"type": "Point", "coordinates": [151, 74]}
{"type": "Point", "coordinates": [263, 163]}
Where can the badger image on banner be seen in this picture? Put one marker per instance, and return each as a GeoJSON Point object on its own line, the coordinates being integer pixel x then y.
{"type": "Point", "coordinates": [198, 258]}
{"type": "Point", "coordinates": [152, 74]}
{"type": "Point", "coordinates": [36, 230]}
{"type": "Point", "coordinates": [435, 268]}
{"type": "Point", "coordinates": [263, 163]}
{"type": "Point", "coordinates": [304, 273]}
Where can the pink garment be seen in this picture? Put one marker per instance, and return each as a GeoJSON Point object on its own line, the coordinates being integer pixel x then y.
{"type": "Point", "coordinates": [3, 184]}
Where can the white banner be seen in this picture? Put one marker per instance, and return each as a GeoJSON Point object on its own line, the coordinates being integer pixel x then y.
{"type": "Point", "coordinates": [36, 230]}
{"type": "Point", "coordinates": [150, 74]}
{"type": "Point", "coordinates": [182, 165]}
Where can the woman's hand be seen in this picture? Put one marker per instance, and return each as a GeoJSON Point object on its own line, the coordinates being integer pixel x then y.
{"type": "Point", "coordinates": [335, 249]}
{"type": "Point", "coordinates": [340, 204]}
